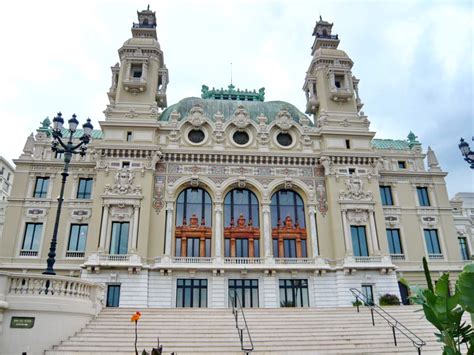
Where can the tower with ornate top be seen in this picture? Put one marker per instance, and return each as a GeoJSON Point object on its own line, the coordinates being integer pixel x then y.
{"type": "Point", "coordinates": [139, 81]}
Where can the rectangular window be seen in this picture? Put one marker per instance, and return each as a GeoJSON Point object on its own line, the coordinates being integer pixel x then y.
{"type": "Point", "coordinates": [32, 237]}
{"type": "Point", "coordinates": [294, 293]}
{"type": "Point", "coordinates": [58, 155]}
{"type": "Point", "coordinates": [77, 237]}
{"type": "Point", "coordinates": [119, 240]}
{"type": "Point", "coordinates": [386, 195]}
{"type": "Point", "coordinates": [394, 241]}
{"type": "Point", "coordinates": [245, 290]}
{"type": "Point", "coordinates": [136, 71]}
{"type": "Point", "coordinates": [289, 247]}
{"type": "Point", "coordinates": [84, 189]}
{"type": "Point", "coordinates": [276, 254]}
{"type": "Point", "coordinates": [191, 293]}
{"type": "Point", "coordinates": [351, 171]}
{"type": "Point", "coordinates": [423, 198]}
{"type": "Point", "coordinates": [368, 291]}
{"type": "Point", "coordinates": [256, 248]}
{"type": "Point", "coordinates": [432, 241]}
{"type": "Point", "coordinates": [192, 247]}
{"type": "Point", "coordinates": [464, 248]}
{"type": "Point", "coordinates": [242, 248]}
{"type": "Point", "coordinates": [129, 136]}
{"type": "Point", "coordinates": [113, 295]}
{"type": "Point", "coordinates": [348, 144]}
{"type": "Point", "coordinates": [41, 187]}
{"type": "Point", "coordinates": [126, 164]}
{"type": "Point", "coordinates": [227, 247]}
{"type": "Point", "coordinates": [359, 241]}
{"type": "Point", "coordinates": [339, 81]}
{"type": "Point", "coordinates": [402, 164]}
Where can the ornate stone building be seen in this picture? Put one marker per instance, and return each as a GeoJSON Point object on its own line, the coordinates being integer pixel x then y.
{"type": "Point", "coordinates": [463, 210]}
{"type": "Point", "coordinates": [184, 205]}
{"type": "Point", "coordinates": [7, 172]}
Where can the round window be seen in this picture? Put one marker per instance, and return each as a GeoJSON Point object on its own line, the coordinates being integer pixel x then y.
{"type": "Point", "coordinates": [241, 137]}
{"type": "Point", "coordinates": [284, 139]}
{"type": "Point", "coordinates": [196, 136]}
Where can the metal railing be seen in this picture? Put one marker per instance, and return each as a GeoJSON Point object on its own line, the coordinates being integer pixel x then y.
{"type": "Point", "coordinates": [236, 308]}
{"type": "Point", "coordinates": [417, 342]}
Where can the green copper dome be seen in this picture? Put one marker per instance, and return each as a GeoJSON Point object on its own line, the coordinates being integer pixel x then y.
{"type": "Point", "coordinates": [227, 108]}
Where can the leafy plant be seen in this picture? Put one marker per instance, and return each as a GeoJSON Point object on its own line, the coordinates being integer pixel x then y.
{"type": "Point", "coordinates": [389, 300]}
{"type": "Point", "coordinates": [356, 303]}
{"type": "Point", "coordinates": [445, 311]}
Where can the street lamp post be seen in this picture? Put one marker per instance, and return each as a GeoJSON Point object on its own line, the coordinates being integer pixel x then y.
{"type": "Point", "coordinates": [466, 152]}
{"type": "Point", "coordinates": [68, 149]}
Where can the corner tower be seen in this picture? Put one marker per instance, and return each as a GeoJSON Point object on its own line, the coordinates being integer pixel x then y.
{"type": "Point", "coordinates": [139, 82]}
{"type": "Point", "coordinates": [329, 84]}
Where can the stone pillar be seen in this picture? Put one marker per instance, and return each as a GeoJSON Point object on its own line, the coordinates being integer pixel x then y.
{"type": "Point", "coordinates": [103, 231]}
{"type": "Point", "coordinates": [218, 230]}
{"type": "Point", "coordinates": [373, 233]}
{"type": "Point", "coordinates": [313, 230]}
{"type": "Point", "coordinates": [347, 233]}
{"type": "Point", "coordinates": [169, 228]}
{"type": "Point", "coordinates": [136, 211]}
{"type": "Point", "coordinates": [267, 231]}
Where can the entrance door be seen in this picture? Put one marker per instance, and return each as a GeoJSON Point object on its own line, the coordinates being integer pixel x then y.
{"type": "Point", "coordinates": [404, 293]}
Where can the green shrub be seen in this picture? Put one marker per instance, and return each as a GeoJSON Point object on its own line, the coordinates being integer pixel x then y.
{"type": "Point", "coordinates": [389, 300]}
{"type": "Point", "coordinates": [357, 303]}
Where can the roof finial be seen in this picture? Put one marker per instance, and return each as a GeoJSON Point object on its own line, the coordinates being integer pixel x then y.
{"type": "Point", "coordinates": [320, 18]}
{"type": "Point", "coordinates": [148, 7]}
{"type": "Point", "coordinates": [230, 73]}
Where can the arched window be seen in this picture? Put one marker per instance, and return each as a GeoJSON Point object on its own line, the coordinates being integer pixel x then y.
{"type": "Point", "coordinates": [288, 225]}
{"type": "Point", "coordinates": [241, 224]}
{"type": "Point", "coordinates": [193, 223]}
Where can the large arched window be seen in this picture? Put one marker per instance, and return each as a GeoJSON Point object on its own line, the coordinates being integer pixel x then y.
{"type": "Point", "coordinates": [288, 225]}
{"type": "Point", "coordinates": [241, 224]}
{"type": "Point", "coordinates": [193, 223]}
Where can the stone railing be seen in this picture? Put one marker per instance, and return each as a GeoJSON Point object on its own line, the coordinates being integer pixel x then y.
{"type": "Point", "coordinates": [74, 254]}
{"type": "Point", "coordinates": [384, 263]}
{"type": "Point", "coordinates": [397, 257]}
{"type": "Point", "coordinates": [435, 256]}
{"type": "Point", "coordinates": [49, 285]}
{"type": "Point", "coordinates": [367, 259]}
{"type": "Point", "coordinates": [243, 261]}
{"type": "Point", "coordinates": [290, 261]}
{"type": "Point", "coordinates": [191, 260]}
{"type": "Point", "coordinates": [132, 261]}
{"type": "Point", "coordinates": [56, 307]}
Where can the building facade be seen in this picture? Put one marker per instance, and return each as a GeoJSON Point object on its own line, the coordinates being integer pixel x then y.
{"type": "Point", "coordinates": [189, 204]}
{"type": "Point", "coordinates": [7, 171]}
{"type": "Point", "coordinates": [463, 210]}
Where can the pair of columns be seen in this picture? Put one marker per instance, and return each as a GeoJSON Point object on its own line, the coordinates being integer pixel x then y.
{"type": "Point", "coordinates": [372, 242]}
{"type": "Point", "coordinates": [105, 230]}
{"type": "Point", "coordinates": [267, 229]}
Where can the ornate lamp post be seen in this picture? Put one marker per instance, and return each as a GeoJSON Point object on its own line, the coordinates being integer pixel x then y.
{"type": "Point", "coordinates": [68, 149]}
{"type": "Point", "coordinates": [466, 152]}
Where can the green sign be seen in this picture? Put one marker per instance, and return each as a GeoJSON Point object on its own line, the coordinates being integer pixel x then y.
{"type": "Point", "coordinates": [22, 322]}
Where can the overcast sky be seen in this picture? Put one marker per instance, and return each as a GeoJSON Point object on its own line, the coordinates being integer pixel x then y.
{"type": "Point", "coordinates": [414, 59]}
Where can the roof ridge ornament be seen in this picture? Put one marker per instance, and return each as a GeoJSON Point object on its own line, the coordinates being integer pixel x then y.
{"type": "Point", "coordinates": [231, 93]}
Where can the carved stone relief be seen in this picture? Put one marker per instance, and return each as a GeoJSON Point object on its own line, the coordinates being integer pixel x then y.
{"type": "Point", "coordinates": [159, 193]}
{"type": "Point", "coordinates": [123, 184]}
{"type": "Point", "coordinates": [355, 190]}
{"type": "Point", "coordinates": [321, 198]}
{"type": "Point", "coordinates": [358, 216]}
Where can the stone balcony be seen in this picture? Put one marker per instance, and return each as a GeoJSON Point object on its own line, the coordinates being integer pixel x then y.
{"type": "Point", "coordinates": [239, 263]}
{"type": "Point", "coordinates": [351, 263]}
{"type": "Point", "coordinates": [341, 94]}
{"type": "Point", "coordinates": [134, 85]}
{"type": "Point", "coordinates": [312, 105]}
{"type": "Point", "coordinates": [95, 261]}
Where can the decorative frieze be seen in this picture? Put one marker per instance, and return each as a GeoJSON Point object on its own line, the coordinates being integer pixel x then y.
{"type": "Point", "coordinates": [123, 184]}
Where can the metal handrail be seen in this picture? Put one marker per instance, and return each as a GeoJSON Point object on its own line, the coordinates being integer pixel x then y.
{"type": "Point", "coordinates": [417, 342]}
{"type": "Point", "coordinates": [240, 330]}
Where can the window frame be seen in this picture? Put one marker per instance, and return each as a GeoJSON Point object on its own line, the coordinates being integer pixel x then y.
{"type": "Point", "coordinates": [423, 196]}
{"type": "Point", "coordinates": [35, 237]}
{"type": "Point", "coordinates": [390, 240]}
{"type": "Point", "coordinates": [201, 285]}
{"type": "Point", "coordinates": [243, 285]}
{"type": "Point", "coordinates": [118, 243]}
{"type": "Point", "coordinates": [115, 303]}
{"type": "Point", "coordinates": [464, 248]}
{"type": "Point", "coordinates": [80, 227]}
{"type": "Point", "coordinates": [84, 193]}
{"type": "Point", "coordinates": [386, 195]}
{"type": "Point", "coordinates": [358, 237]}
{"type": "Point", "coordinates": [293, 286]}
{"type": "Point", "coordinates": [43, 192]}
{"type": "Point", "coordinates": [431, 233]}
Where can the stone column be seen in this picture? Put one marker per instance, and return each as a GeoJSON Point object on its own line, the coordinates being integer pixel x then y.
{"type": "Point", "coordinates": [103, 231]}
{"type": "Point", "coordinates": [347, 233]}
{"type": "Point", "coordinates": [136, 211]}
{"type": "Point", "coordinates": [169, 227]}
{"type": "Point", "coordinates": [373, 233]}
{"type": "Point", "coordinates": [218, 230]}
{"type": "Point", "coordinates": [267, 231]}
{"type": "Point", "coordinates": [313, 230]}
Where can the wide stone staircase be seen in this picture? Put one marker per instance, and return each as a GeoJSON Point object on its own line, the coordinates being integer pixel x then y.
{"type": "Point", "coordinates": [273, 331]}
